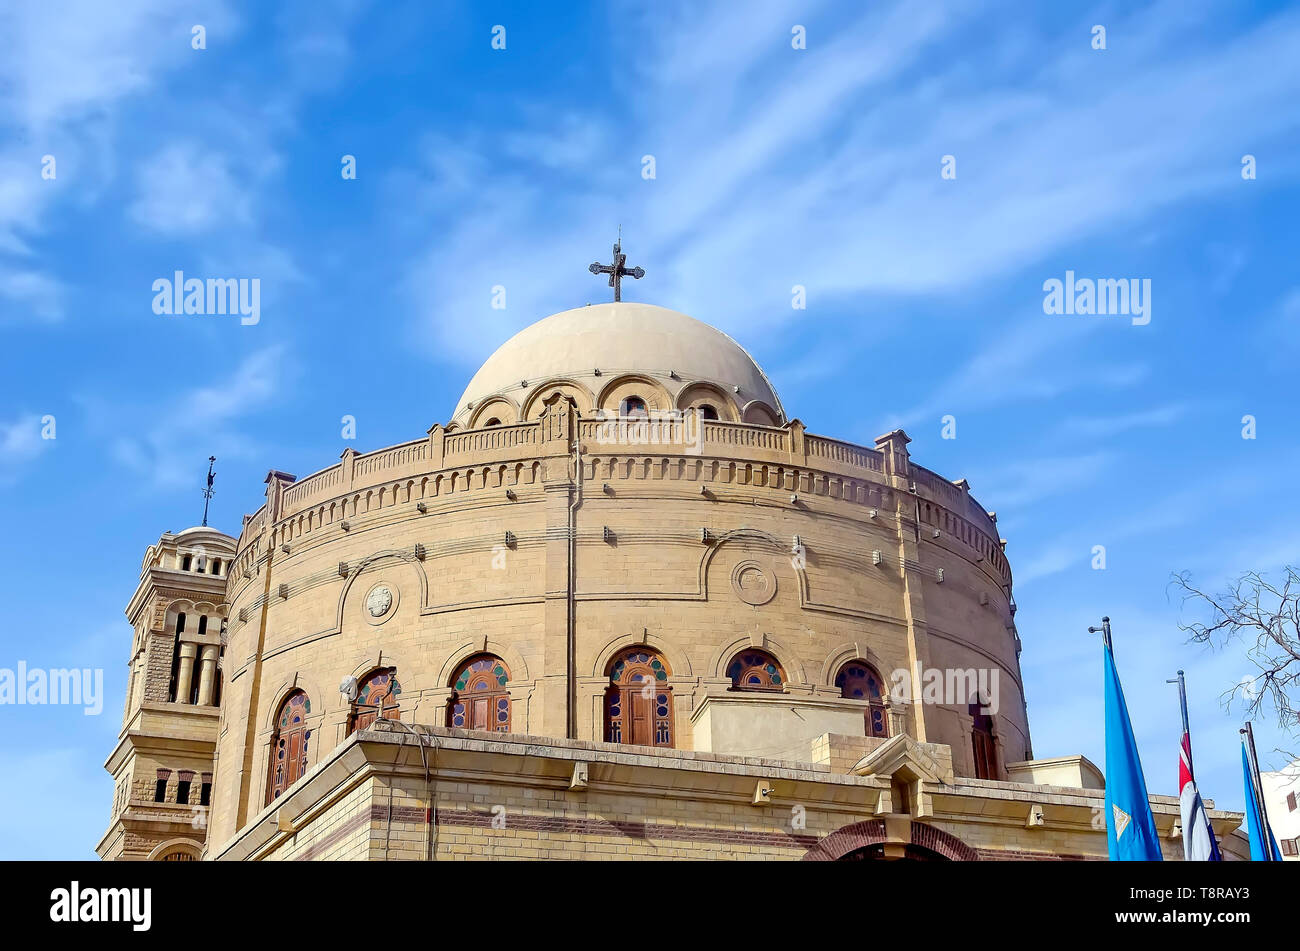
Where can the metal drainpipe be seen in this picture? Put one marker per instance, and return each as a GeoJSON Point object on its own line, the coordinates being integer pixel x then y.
{"type": "Point", "coordinates": [571, 726]}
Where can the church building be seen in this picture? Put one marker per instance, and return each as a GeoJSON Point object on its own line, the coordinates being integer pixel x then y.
{"type": "Point", "coordinates": [617, 604]}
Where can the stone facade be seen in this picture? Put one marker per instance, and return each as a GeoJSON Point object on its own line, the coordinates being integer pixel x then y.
{"type": "Point", "coordinates": [518, 797]}
{"type": "Point", "coordinates": [555, 545]}
{"type": "Point", "coordinates": [163, 761]}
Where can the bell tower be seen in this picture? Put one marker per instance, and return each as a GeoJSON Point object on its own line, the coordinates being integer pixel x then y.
{"type": "Point", "coordinates": [162, 764]}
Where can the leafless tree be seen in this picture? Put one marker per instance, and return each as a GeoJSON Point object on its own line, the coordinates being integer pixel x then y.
{"type": "Point", "coordinates": [1265, 617]}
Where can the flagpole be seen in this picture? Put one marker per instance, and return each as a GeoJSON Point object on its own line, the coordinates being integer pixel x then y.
{"type": "Point", "coordinates": [1265, 830]}
{"type": "Point", "coordinates": [1105, 632]}
{"type": "Point", "coordinates": [1187, 730]}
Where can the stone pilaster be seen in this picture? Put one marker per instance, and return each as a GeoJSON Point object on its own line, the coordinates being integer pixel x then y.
{"type": "Point", "coordinates": [558, 433]}
{"type": "Point", "coordinates": [897, 467]}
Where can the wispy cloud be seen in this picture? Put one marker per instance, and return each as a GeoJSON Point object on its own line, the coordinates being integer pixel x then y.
{"type": "Point", "coordinates": [862, 208]}
{"type": "Point", "coordinates": [188, 189]}
{"type": "Point", "coordinates": [1024, 482]}
{"type": "Point", "coordinates": [32, 292]}
{"type": "Point", "coordinates": [64, 70]}
{"type": "Point", "coordinates": [1092, 427]}
{"type": "Point", "coordinates": [20, 443]}
{"type": "Point", "coordinates": [1015, 368]}
{"type": "Point", "coordinates": [162, 446]}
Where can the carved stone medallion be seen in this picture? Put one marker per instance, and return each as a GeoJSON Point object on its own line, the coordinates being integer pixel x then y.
{"type": "Point", "coordinates": [379, 603]}
{"type": "Point", "coordinates": [752, 583]}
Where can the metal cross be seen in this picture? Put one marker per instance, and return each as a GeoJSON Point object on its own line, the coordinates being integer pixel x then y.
{"type": "Point", "coordinates": [617, 271]}
{"type": "Point", "coordinates": [209, 491]}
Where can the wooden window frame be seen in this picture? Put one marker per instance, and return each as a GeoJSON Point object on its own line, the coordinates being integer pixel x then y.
{"type": "Point", "coordinates": [297, 748]}
{"type": "Point", "coordinates": [466, 696]}
{"type": "Point", "coordinates": [627, 707]}
{"type": "Point", "coordinates": [876, 706]}
{"type": "Point", "coordinates": [739, 667]}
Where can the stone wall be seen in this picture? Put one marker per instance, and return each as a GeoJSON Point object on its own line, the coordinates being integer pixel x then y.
{"type": "Point", "coordinates": [691, 553]}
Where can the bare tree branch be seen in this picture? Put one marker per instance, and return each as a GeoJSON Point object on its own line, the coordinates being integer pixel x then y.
{"type": "Point", "coordinates": [1265, 617]}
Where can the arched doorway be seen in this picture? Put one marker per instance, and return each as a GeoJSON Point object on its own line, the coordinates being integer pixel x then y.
{"type": "Point", "coordinates": [984, 747]}
{"type": "Point", "coordinates": [378, 686]}
{"type": "Point", "coordinates": [638, 701]}
{"type": "Point", "coordinates": [480, 700]}
{"type": "Point", "coordinates": [877, 853]}
{"type": "Point", "coordinates": [290, 744]}
{"type": "Point", "coordinates": [869, 840]}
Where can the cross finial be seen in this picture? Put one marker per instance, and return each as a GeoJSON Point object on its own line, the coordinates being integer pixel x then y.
{"type": "Point", "coordinates": [209, 491]}
{"type": "Point", "coordinates": [617, 271]}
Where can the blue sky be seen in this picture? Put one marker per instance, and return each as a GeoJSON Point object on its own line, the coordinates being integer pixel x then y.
{"type": "Point", "coordinates": [774, 167]}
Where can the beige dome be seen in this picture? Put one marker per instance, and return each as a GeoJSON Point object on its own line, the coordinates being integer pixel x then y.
{"type": "Point", "coordinates": [595, 346]}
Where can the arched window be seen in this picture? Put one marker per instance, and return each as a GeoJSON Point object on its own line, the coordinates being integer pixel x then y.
{"type": "Point", "coordinates": [216, 566]}
{"type": "Point", "coordinates": [378, 687]}
{"type": "Point", "coordinates": [176, 658]}
{"type": "Point", "coordinates": [755, 670]}
{"type": "Point", "coordinates": [983, 744]}
{"type": "Point", "coordinates": [185, 563]}
{"type": "Point", "coordinates": [638, 701]}
{"type": "Point", "coordinates": [633, 406]}
{"type": "Point", "coordinates": [216, 674]}
{"type": "Point", "coordinates": [290, 745]}
{"type": "Point", "coordinates": [493, 422]}
{"type": "Point", "coordinates": [708, 411]}
{"type": "Point", "coordinates": [480, 700]}
{"type": "Point", "coordinates": [858, 680]}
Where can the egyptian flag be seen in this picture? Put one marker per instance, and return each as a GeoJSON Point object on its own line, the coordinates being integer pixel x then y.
{"type": "Point", "coordinates": [1198, 836]}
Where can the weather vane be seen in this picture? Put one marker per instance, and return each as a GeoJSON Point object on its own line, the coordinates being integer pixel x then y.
{"type": "Point", "coordinates": [617, 271]}
{"type": "Point", "coordinates": [207, 493]}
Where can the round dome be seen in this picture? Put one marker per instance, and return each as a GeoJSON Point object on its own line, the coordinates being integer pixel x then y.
{"type": "Point", "coordinates": [597, 343]}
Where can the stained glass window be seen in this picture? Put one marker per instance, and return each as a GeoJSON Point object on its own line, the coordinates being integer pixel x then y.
{"type": "Point", "coordinates": [638, 702]}
{"type": "Point", "coordinates": [294, 711]}
{"type": "Point", "coordinates": [858, 680]}
{"type": "Point", "coordinates": [481, 700]}
{"type": "Point", "coordinates": [755, 670]}
{"type": "Point", "coordinates": [290, 745]}
{"type": "Point", "coordinates": [379, 686]}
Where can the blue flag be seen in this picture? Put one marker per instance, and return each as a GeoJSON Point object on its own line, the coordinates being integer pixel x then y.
{"type": "Point", "coordinates": [1130, 827]}
{"type": "Point", "coordinates": [1263, 847]}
